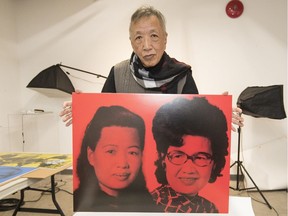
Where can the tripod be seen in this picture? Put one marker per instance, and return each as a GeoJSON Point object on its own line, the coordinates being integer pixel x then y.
{"type": "Point", "coordinates": [240, 167]}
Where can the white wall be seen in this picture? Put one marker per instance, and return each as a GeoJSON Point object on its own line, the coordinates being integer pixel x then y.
{"type": "Point", "coordinates": [225, 54]}
{"type": "Point", "coordinates": [9, 70]}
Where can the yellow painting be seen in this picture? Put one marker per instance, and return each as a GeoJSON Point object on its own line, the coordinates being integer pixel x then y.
{"type": "Point", "coordinates": [37, 160]}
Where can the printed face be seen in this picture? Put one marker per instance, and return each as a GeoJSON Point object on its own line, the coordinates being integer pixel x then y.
{"type": "Point", "coordinates": [116, 159]}
{"type": "Point", "coordinates": [148, 40]}
{"type": "Point", "coordinates": [184, 176]}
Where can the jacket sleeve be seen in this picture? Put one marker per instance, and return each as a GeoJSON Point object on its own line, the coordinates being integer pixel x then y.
{"type": "Point", "coordinates": [109, 85]}
{"type": "Point", "coordinates": [190, 85]}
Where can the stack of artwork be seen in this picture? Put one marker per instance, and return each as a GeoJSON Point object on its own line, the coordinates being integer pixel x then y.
{"type": "Point", "coordinates": [16, 165]}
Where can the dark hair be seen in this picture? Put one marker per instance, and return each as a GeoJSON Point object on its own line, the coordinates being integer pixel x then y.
{"type": "Point", "coordinates": [147, 11]}
{"type": "Point", "coordinates": [106, 117]}
{"type": "Point", "coordinates": [193, 117]}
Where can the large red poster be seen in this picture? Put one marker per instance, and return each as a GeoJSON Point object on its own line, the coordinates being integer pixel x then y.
{"type": "Point", "coordinates": [184, 163]}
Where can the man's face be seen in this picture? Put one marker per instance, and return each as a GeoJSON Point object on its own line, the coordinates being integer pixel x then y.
{"type": "Point", "coordinates": [148, 40]}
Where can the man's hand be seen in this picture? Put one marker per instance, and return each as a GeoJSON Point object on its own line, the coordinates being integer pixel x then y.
{"type": "Point", "coordinates": [236, 116]}
{"type": "Point", "coordinates": [66, 113]}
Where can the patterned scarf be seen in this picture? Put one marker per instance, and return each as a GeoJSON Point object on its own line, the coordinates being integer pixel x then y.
{"type": "Point", "coordinates": [162, 77]}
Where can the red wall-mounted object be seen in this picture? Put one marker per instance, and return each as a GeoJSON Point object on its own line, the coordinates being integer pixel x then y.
{"type": "Point", "coordinates": [234, 8]}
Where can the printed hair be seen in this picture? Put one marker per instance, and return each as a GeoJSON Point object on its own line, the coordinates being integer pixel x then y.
{"type": "Point", "coordinates": [190, 117]}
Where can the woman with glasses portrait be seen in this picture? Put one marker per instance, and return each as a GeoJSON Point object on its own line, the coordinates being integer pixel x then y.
{"type": "Point", "coordinates": [192, 142]}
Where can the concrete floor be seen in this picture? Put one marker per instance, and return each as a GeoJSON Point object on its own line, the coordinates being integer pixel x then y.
{"type": "Point", "coordinates": [277, 199]}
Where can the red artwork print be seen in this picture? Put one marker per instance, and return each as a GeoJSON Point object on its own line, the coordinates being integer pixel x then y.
{"type": "Point", "coordinates": [129, 150]}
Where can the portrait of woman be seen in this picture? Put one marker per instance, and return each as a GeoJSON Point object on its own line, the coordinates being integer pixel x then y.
{"type": "Point", "coordinates": [192, 142]}
{"type": "Point", "coordinates": [109, 166]}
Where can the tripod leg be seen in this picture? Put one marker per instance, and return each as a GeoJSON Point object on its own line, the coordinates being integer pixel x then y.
{"type": "Point", "coordinates": [233, 164]}
{"type": "Point", "coordinates": [238, 162]}
{"type": "Point", "coordinates": [256, 186]}
{"type": "Point", "coordinates": [239, 169]}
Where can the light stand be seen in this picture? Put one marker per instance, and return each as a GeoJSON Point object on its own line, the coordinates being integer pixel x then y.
{"type": "Point", "coordinates": [240, 168]}
{"type": "Point", "coordinates": [97, 75]}
{"type": "Point", "coordinates": [259, 102]}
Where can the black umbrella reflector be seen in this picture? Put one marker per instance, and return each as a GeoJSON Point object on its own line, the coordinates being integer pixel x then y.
{"type": "Point", "coordinates": [263, 101]}
{"type": "Point", "coordinates": [52, 78]}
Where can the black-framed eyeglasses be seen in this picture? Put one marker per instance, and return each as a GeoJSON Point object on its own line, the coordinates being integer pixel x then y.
{"type": "Point", "coordinates": [200, 159]}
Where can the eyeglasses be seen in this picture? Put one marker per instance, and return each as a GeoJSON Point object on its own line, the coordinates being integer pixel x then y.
{"type": "Point", "coordinates": [200, 159]}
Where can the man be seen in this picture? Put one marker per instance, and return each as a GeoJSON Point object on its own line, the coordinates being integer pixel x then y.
{"type": "Point", "coordinates": [150, 69]}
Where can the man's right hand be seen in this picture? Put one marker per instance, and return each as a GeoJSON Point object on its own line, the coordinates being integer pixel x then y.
{"type": "Point", "coordinates": [66, 113]}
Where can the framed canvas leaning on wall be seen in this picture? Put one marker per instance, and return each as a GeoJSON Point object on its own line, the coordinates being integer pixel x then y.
{"type": "Point", "coordinates": [151, 153]}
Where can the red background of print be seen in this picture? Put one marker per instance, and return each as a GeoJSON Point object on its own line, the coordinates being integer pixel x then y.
{"type": "Point", "coordinates": [86, 104]}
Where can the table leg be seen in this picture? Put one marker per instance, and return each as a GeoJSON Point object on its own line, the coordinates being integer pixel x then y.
{"type": "Point", "coordinates": [58, 210]}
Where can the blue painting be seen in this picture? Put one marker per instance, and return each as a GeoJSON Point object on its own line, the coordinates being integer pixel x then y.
{"type": "Point", "coordinates": [8, 173]}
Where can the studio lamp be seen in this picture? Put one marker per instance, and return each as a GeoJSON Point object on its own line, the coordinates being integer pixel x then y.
{"type": "Point", "coordinates": [259, 102]}
{"type": "Point", "coordinates": [263, 102]}
{"type": "Point", "coordinates": [53, 81]}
